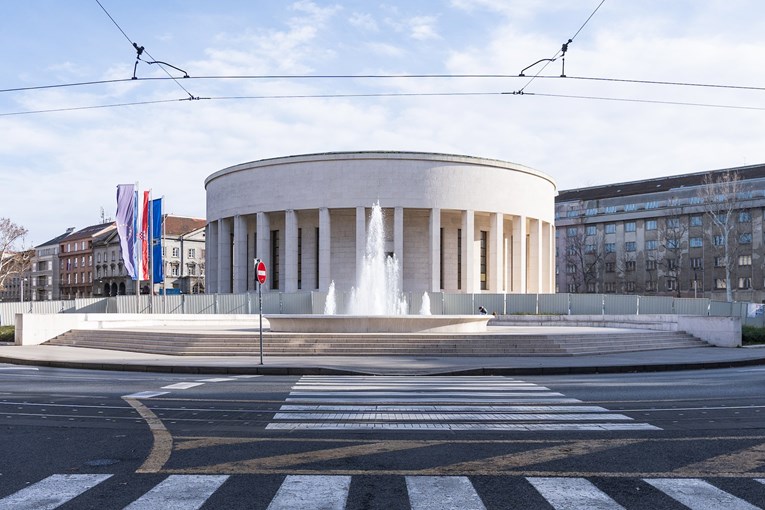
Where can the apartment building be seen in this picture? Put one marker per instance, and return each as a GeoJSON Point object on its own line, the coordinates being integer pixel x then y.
{"type": "Point", "coordinates": [44, 273]}
{"type": "Point", "coordinates": [663, 236]}
{"type": "Point", "coordinates": [75, 259]}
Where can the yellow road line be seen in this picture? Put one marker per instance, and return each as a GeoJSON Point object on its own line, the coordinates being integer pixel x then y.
{"type": "Point", "coordinates": [163, 440]}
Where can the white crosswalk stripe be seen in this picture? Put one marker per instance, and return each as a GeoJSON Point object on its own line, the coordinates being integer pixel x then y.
{"type": "Point", "coordinates": [311, 493]}
{"type": "Point", "coordinates": [51, 492]}
{"type": "Point", "coordinates": [442, 493]}
{"type": "Point", "coordinates": [699, 495]}
{"type": "Point", "coordinates": [179, 492]}
{"type": "Point", "coordinates": [573, 494]}
{"type": "Point", "coordinates": [331, 492]}
{"type": "Point", "coordinates": [440, 403]}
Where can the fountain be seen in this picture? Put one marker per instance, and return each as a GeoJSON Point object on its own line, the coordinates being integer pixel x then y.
{"type": "Point", "coordinates": [376, 303]}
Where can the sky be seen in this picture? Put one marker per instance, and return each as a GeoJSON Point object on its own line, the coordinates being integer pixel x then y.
{"type": "Point", "coordinates": [60, 169]}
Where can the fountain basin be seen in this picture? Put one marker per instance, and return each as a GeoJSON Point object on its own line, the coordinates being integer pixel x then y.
{"type": "Point", "coordinates": [378, 323]}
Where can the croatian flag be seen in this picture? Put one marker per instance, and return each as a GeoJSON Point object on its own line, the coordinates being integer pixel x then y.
{"type": "Point", "coordinates": [126, 214]}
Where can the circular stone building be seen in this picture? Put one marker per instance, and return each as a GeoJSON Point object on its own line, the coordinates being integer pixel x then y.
{"type": "Point", "coordinates": [455, 223]}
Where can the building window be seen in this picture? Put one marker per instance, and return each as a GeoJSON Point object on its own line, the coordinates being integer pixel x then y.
{"type": "Point", "coordinates": [571, 287]}
{"type": "Point", "coordinates": [609, 287]}
{"type": "Point", "coordinates": [75, 261]}
{"type": "Point", "coordinates": [719, 261]}
{"type": "Point", "coordinates": [590, 248]}
{"type": "Point", "coordinates": [98, 258]}
{"type": "Point", "coordinates": [718, 240]}
{"type": "Point", "coordinates": [651, 244]}
{"type": "Point", "coordinates": [274, 259]}
{"type": "Point", "coordinates": [671, 284]}
{"type": "Point", "coordinates": [591, 230]}
{"type": "Point", "coordinates": [174, 269]}
{"type": "Point", "coordinates": [611, 209]}
{"type": "Point", "coordinates": [629, 265]}
{"type": "Point", "coordinates": [591, 212]}
{"type": "Point", "coordinates": [630, 287]}
{"type": "Point", "coordinates": [90, 260]}
{"type": "Point", "coordinates": [630, 226]}
{"type": "Point", "coordinates": [744, 217]}
{"type": "Point", "coordinates": [176, 252]}
{"type": "Point", "coordinates": [114, 256]}
{"type": "Point", "coordinates": [673, 222]}
{"type": "Point", "coordinates": [610, 267]}
{"type": "Point", "coordinates": [745, 260]}
{"type": "Point", "coordinates": [571, 231]}
{"type": "Point", "coordinates": [652, 224]}
{"type": "Point", "coordinates": [484, 245]}
{"type": "Point", "coordinates": [572, 214]}
{"type": "Point", "coordinates": [745, 238]}
{"type": "Point", "coordinates": [571, 268]}
{"type": "Point", "coordinates": [697, 221]}
{"type": "Point", "coordinates": [650, 286]}
{"type": "Point", "coordinates": [630, 207]}
{"type": "Point", "coordinates": [610, 228]}
{"type": "Point", "coordinates": [673, 244]}
{"type": "Point", "coordinates": [745, 283]}
{"type": "Point", "coordinates": [697, 262]}
{"type": "Point", "coordinates": [610, 247]}
{"type": "Point", "coordinates": [590, 287]}
{"type": "Point", "coordinates": [192, 253]}
{"type": "Point", "coordinates": [650, 265]}
{"type": "Point", "coordinates": [720, 283]}
{"type": "Point", "coordinates": [192, 269]}
{"type": "Point", "coordinates": [696, 242]}
{"type": "Point", "coordinates": [652, 205]}
{"type": "Point", "coordinates": [671, 264]}
{"type": "Point", "coordinates": [630, 246]}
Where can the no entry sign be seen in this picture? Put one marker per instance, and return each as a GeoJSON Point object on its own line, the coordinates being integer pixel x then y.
{"type": "Point", "coordinates": [260, 270]}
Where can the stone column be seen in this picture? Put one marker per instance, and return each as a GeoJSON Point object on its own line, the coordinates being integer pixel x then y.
{"type": "Point", "coordinates": [325, 261]}
{"type": "Point", "coordinates": [211, 258]}
{"type": "Point", "coordinates": [290, 250]}
{"type": "Point", "coordinates": [264, 243]}
{"type": "Point", "coordinates": [519, 255]}
{"type": "Point", "coordinates": [548, 255]}
{"type": "Point", "coordinates": [496, 253]}
{"type": "Point", "coordinates": [361, 239]}
{"type": "Point", "coordinates": [535, 256]}
{"type": "Point", "coordinates": [251, 234]}
{"type": "Point", "coordinates": [435, 250]}
{"type": "Point", "coordinates": [240, 254]}
{"type": "Point", "coordinates": [224, 256]}
{"type": "Point", "coordinates": [398, 243]}
{"type": "Point", "coordinates": [469, 261]}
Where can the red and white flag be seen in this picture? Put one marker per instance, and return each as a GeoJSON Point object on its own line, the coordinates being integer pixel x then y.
{"type": "Point", "coordinates": [143, 235]}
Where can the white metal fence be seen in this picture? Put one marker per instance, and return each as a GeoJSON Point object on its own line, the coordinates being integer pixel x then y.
{"type": "Point", "coordinates": [440, 304]}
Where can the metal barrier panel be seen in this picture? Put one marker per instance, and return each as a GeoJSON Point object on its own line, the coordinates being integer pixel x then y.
{"type": "Point", "coordinates": [690, 306]}
{"type": "Point", "coordinates": [621, 305]}
{"type": "Point", "coordinates": [553, 304]}
{"type": "Point", "coordinates": [296, 303]}
{"type": "Point", "coordinates": [740, 309]}
{"type": "Point", "coordinates": [458, 304]}
{"type": "Point", "coordinates": [171, 303]}
{"type": "Point", "coordinates": [271, 303]}
{"type": "Point", "coordinates": [521, 304]}
{"type": "Point", "coordinates": [758, 322]}
{"type": "Point", "coordinates": [46, 307]}
{"type": "Point", "coordinates": [232, 303]}
{"type": "Point", "coordinates": [586, 304]}
{"type": "Point", "coordinates": [198, 303]}
{"type": "Point", "coordinates": [494, 303]}
{"type": "Point", "coordinates": [720, 308]}
{"type": "Point", "coordinates": [8, 313]}
{"type": "Point", "coordinates": [90, 305]}
{"type": "Point", "coordinates": [655, 305]}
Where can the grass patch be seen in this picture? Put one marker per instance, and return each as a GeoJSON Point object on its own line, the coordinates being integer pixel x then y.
{"type": "Point", "coordinates": [751, 335]}
{"type": "Point", "coordinates": [6, 333]}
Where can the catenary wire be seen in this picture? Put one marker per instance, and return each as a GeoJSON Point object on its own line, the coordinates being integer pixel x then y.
{"type": "Point", "coordinates": [649, 101]}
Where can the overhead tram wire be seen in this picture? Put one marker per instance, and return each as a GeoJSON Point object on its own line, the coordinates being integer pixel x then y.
{"type": "Point", "coordinates": [384, 76]}
{"type": "Point", "coordinates": [390, 94]}
{"type": "Point", "coordinates": [141, 49]}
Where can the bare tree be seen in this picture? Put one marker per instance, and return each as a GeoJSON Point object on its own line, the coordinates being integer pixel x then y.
{"type": "Point", "coordinates": [14, 258]}
{"type": "Point", "coordinates": [672, 235]}
{"type": "Point", "coordinates": [584, 257]}
{"type": "Point", "coordinates": [721, 199]}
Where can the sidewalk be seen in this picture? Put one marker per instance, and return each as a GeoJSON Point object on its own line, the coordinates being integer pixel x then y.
{"type": "Point", "coordinates": [644, 361]}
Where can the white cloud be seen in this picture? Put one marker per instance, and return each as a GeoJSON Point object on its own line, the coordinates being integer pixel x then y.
{"type": "Point", "coordinates": [364, 21]}
{"type": "Point", "coordinates": [423, 28]}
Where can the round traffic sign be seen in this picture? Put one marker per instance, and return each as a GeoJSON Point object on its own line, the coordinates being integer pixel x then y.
{"type": "Point", "coordinates": [260, 270]}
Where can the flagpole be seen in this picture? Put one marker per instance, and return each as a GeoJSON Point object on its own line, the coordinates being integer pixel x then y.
{"type": "Point", "coordinates": [150, 240]}
{"type": "Point", "coordinates": [136, 249]}
{"type": "Point", "coordinates": [162, 258]}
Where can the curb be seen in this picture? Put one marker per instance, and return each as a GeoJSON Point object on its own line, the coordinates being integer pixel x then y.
{"type": "Point", "coordinates": [281, 370]}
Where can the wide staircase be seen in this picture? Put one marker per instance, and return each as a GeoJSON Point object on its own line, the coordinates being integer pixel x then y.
{"type": "Point", "coordinates": [493, 343]}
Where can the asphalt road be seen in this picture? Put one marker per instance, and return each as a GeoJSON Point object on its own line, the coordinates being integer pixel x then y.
{"type": "Point", "coordinates": [93, 439]}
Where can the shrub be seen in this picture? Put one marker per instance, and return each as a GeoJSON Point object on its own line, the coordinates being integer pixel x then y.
{"type": "Point", "coordinates": [6, 333]}
{"type": "Point", "coordinates": [752, 335]}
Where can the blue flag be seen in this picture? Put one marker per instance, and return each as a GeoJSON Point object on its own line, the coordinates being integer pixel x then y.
{"type": "Point", "coordinates": [157, 264]}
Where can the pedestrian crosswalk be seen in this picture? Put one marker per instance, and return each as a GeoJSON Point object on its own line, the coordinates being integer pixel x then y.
{"type": "Point", "coordinates": [438, 403]}
{"type": "Point", "coordinates": [331, 492]}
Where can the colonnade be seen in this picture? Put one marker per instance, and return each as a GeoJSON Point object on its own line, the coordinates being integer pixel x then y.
{"type": "Point", "coordinates": [446, 250]}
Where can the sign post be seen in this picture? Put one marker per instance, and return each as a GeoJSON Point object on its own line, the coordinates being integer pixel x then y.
{"type": "Point", "coordinates": [260, 272]}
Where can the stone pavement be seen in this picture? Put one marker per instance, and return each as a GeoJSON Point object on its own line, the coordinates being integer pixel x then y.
{"type": "Point", "coordinates": [644, 361]}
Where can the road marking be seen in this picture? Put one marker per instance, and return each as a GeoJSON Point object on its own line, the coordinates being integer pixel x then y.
{"type": "Point", "coordinates": [162, 446]}
{"type": "Point", "coordinates": [182, 385]}
{"type": "Point", "coordinates": [217, 379]}
{"type": "Point", "coordinates": [51, 492]}
{"type": "Point", "coordinates": [421, 394]}
{"type": "Point", "coordinates": [15, 367]}
{"type": "Point", "coordinates": [573, 494]}
{"type": "Point", "coordinates": [311, 493]}
{"type": "Point", "coordinates": [743, 461]}
{"type": "Point", "coordinates": [699, 495]}
{"type": "Point", "coordinates": [484, 417]}
{"type": "Point", "coordinates": [145, 394]}
{"type": "Point", "coordinates": [464, 426]}
{"type": "Point", "coordinates": [448, 408]}
{"type": "Point", "coordinates": [442, 493]}
{"type": "Point", "coordinates": [179, 492]}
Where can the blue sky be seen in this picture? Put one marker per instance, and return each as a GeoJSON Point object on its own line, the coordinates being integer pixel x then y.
{"type": "Point", "coordinates": [58, 169]}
